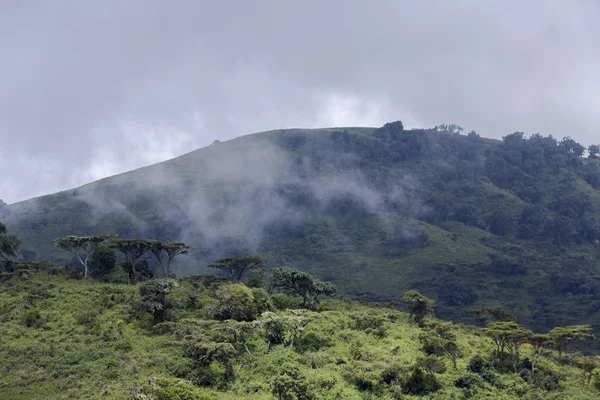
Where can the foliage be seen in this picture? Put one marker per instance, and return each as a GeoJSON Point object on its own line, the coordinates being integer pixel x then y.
{"type": "Point", "coordinates": [419, 306]}
{"type": "Point", "coordinates": [563, 337]}
{"type": "Point", "coordinates": [132, 250]}
{"type": "Point", "coordinates": [9, 244]}
{"type": "Point", "coordinates": [166, 252]}
{"type": "Point", "coordinates": [87, 244]}
{"type": "Point", "coordinates": [470, 221]}
{"type": "Point", "coordinates": [154, 300]}
{"type": "Point", "coordinates": [294, 282]}
{"type": "Point", "coordinates": [103, 262]}
{"type": "Point", "coordinates": [78, 338]}
{"type": "Point", "coordinates": [237, 267]}
{"type": "Point", "coordinates": [441, 340]}
{"type": "Point", "coordinates": [235, 301]}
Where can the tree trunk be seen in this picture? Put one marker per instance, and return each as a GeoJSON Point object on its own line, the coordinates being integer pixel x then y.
{"type": "Point", "coordinates": [168, 269]}
{"type": "Point", "coordinates": [132, 271]}
{"type": "Point", "coordinates": [84, 263]}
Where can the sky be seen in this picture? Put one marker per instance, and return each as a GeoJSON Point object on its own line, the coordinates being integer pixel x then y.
{"type": "Point", "coordinates": [89, 89]}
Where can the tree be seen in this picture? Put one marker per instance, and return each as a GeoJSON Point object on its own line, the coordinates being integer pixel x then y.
{"type": "Point", "coordinates": [501, 223]}
{"type": "Point", "coordinates": [154, 298]}
{"type": "Point", "coordinates": [235, 301]}
{"type": "Point", "coordinates": [501, 334]}
{"type": "Point", "coordinates": [594, 151]}
{"type": "Point", "coordinates": [441, 340]}
{"type": "Point", "coordinates": [572, 147]}
{"type": "Point", "coordinates": [103, 262]}
{"type": "Point", "coordinates": [294, 282]}
{"type": "Point", "coordinates": [563, 337]}
{"type": "Point", "coordinates": [239, 330]}
{"type": "Point", "coordinates": [516, 338]}
{"type": "Point", "coordinates": [588, 364]}
{"type": "Point", "coordinates": [289, 384]}
{"type": "Point", "coordinates": [499, 313]}
{"type": "Point", "coordinates": [9, 244]}
{"type": "Point", "coordinates": [431, 365]}
{"type": "Point", "coordinates": [87, 244]}
{"type": "Point", "coordinates": [166, 252]}
{"type": "Point", "coordinates": [236, 267]}
{"type": "Point", "coordinates": [419, 306]}
{"type": "Point", "coordinates": [133, 250]}
{"type": "Point", "coordinates": [537, 343]}
{"type": "Point", "coordinates": [205, 352]}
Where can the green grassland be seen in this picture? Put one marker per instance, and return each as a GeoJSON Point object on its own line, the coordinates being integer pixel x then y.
{"type": "Point", "coordinates": [82, 339]}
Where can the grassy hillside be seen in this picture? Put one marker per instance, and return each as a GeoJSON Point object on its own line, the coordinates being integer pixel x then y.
{"type": "Point", "coordinates": [81, 339]}
{"type": "Point", "coordinates": [471, 222]}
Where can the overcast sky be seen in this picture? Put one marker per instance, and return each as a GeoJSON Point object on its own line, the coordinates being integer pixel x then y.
{"type": "Point", "coordinates": [93, 88]}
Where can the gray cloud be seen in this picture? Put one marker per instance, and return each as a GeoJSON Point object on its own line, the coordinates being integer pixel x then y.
{"type": "Point", "coordinates": [91, 89]}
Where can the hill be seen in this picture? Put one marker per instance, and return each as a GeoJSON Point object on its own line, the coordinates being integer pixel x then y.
{"type": "Point", "coordinates": [213, 339]}
{"type": "Point", "coordinates": [472, 222]}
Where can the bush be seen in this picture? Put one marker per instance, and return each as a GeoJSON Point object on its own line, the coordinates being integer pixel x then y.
{"type": "Point", "coordinates": [370, 323]}
{"type": "Point", "coordinates": [32, 319]}
{"type": "Point", "coordinates": [283, 302]}
{"type": "Point", "coordinates": [235, 301]}
{"type": "Point", "coordinates": [166, 388]}
{"type": "Point", "coordinates": [419, 384]}
{"type": "Point", "coordinates": [154, 298]}
{"type": "Point", "coordinates": [469, 381]}
{"type": "Point", "coordinates": [87, 318]}
{"type": "Point", "coordinates": [312, 342]}
{"type": "Point", "coordinates": [262, 301]}
{"type": "Point", "coordinates": [476, 364]}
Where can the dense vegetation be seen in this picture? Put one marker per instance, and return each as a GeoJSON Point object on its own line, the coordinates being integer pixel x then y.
{"type": "Point", "coordinates": [206, 337]}
{"type": "Point", "coordinates": [471, 222]}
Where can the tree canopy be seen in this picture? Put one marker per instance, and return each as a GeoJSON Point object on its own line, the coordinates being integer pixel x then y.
{"type": "Point", "coordinates": [563, 337]}
{"type": "Point", "coordinates": [87, 244]}
{"type": "Point", "coordinates": [295, 282]}
{"type": "Point", "coordinates": [166, 252]}
{"type": "Point", "coordinates": [237, 267]}
{"type": "Point", "coordinates": [133, 250]}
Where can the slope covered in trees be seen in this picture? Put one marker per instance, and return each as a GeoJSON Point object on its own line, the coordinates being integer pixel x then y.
{"type": "Point", "coordinates": [468, 221]}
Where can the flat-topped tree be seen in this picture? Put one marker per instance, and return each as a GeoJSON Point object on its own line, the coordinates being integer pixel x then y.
{"type": "Point", "coordinates": [563, 337]}
{"type": "Point", "coordinates": [9, 244]}
{"type": "Point", "coordinates": [236, 267]}
{"type": "Point", "coordinates": [295, 282]}
{"type": "Point", "coordinates": [132, 250]}
{"type": "Point", "coordinates": [166, 252]}
{"type": "Point", "coordinates": [86, 244]}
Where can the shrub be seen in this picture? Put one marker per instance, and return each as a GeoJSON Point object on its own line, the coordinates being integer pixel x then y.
{"type": "Point", "coordinates": [419, 383]}
{"type": "Point", "coordinates": [469, 381]}
{"type": "Point", "coordinates": [32, 319]}
{"type": "Point", "coordinates": [283, 302]}
{"type": "Point", "coordinates": [235, 301]}
{"type": "Point", "coordinates": [166, 388]}
{"type": "Point", "coordinates": [370, 323]}
{"type": "Point", "coordinates": [154, 298]}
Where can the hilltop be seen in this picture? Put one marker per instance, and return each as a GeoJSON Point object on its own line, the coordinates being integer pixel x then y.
{"type": "Point", "coordinates": [469, 221]}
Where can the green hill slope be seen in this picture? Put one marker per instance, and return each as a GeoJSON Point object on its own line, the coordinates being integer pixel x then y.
{"type": "Point", "coordinates": [471, 222]}
{"type": "Point", "coordinates": [81, 339]}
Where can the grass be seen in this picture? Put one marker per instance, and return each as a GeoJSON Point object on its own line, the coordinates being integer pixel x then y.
{"type": "Point", "coordinates": [81, 339]}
